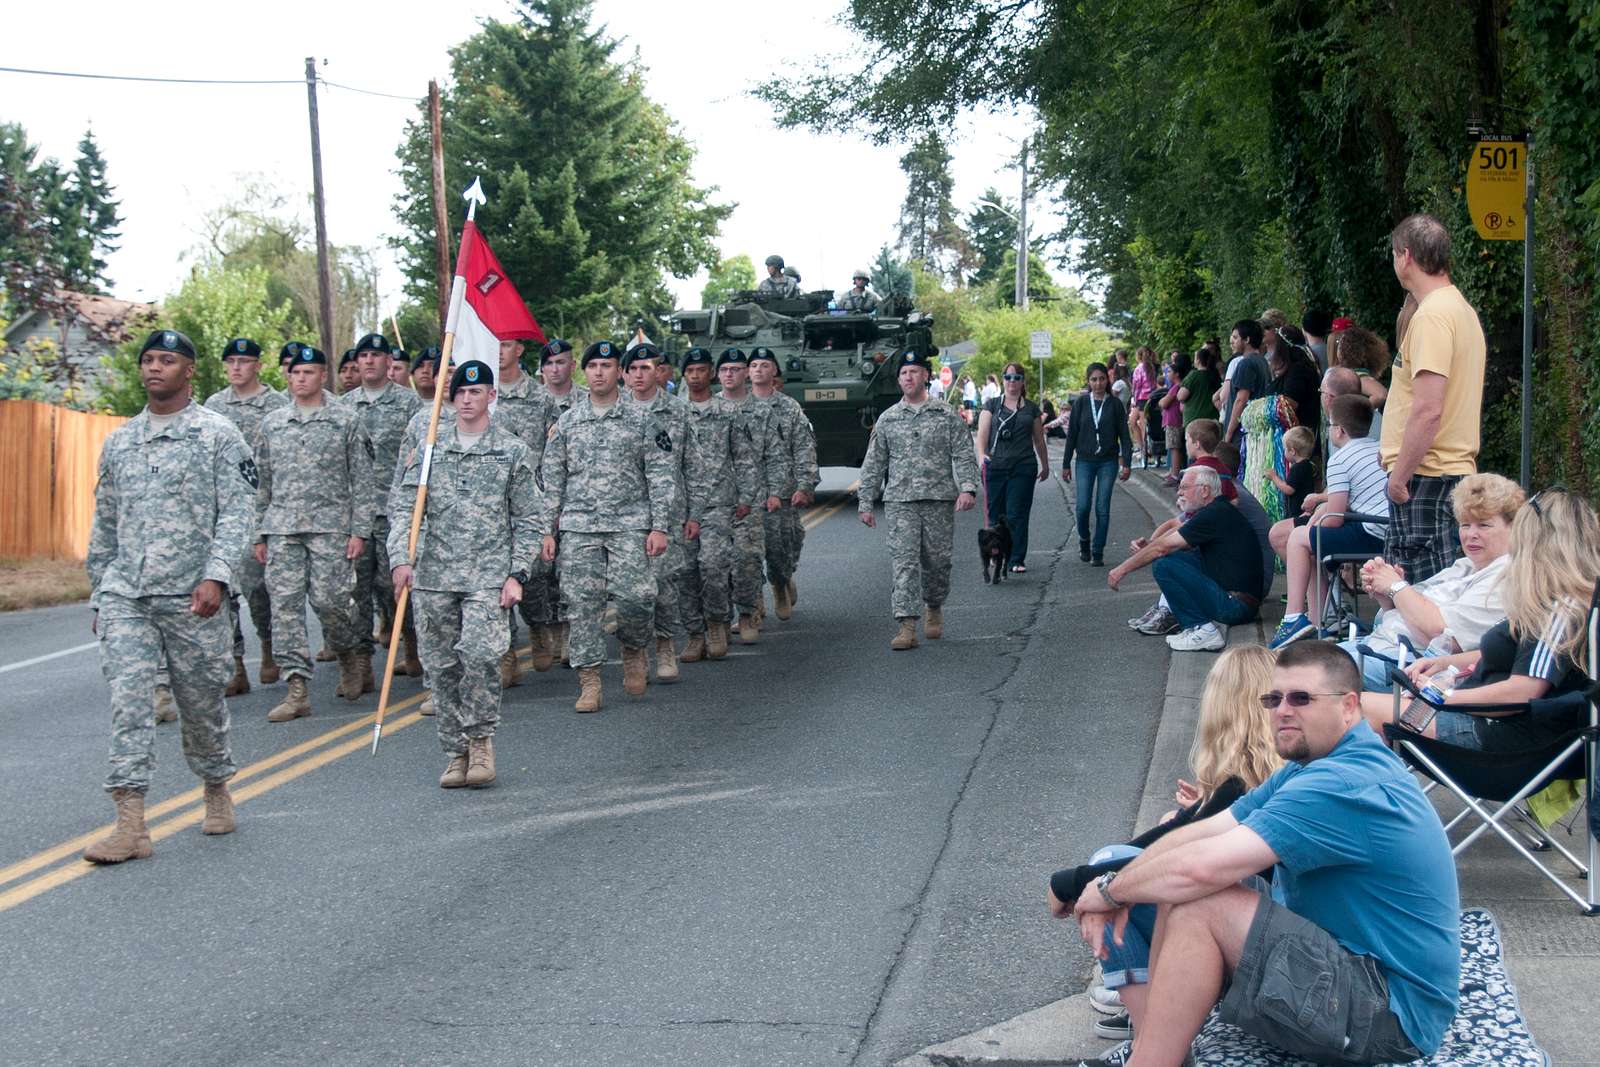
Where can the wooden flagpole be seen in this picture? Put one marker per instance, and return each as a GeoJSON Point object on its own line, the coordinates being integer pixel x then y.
{"type": "Point", "coordinates": [474, 197]}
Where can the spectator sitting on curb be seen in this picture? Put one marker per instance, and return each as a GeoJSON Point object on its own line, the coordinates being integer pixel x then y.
{"type": "Point", "coordinates": [1200, 437]}
{"type": "Point", "coordinates": [1220, 585]}
{"type": "Point", "coordinates": [1233, 752]}
{"type": "Point", "coordinates": [1360, 963]}
{"type": "Point", "coordinates": [1233, 490]}
{"type": "Point", "coordinates": [1451, 611]}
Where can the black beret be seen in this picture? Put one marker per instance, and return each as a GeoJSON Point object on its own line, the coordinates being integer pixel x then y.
{"type": "Point", "coordinates": [427, 354]}
{"type": "Point", "coordinates": [241, 346]}
{"type": "Point", "coordinates": [763, 353]}
{"type": "Point", "coordinates": [288, 352]}
{"type": "Point", "coordinates": [553, 349]}
{"type": "Point", "coordinates": [472, 372]}
{"type": "Point", "coordinates": [646, 350]}
{"type": "Point", "coordinates": [308, 356]}
{"type": "Point", "coordinates": [349, 354]}
{"type": "Point", "coordinates": [399, 356]}
{"type": "Point", "coordinates": [732, 355]}
{"type": "Point", "coordinates": [169, 341]}
{"type": "Point", "coordinates": [600, 350]}
{"type": "Point", "coordinates": [696, 356]}
{"type": "Point", "coordinates": [374, 342]}
{"type": "Point", "coordinates": [913, 357]}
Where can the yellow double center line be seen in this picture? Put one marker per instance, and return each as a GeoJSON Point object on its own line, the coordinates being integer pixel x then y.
{"type": "Point", "coordinates": [186, 809]}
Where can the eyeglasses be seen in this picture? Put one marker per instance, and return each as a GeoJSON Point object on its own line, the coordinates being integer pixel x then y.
{"type": "Point", "coordinates": [1534, 501]}
{"type": "Point", "coordinates": [1297, 698]}
{"type": "Point", "coordinates": [1015, 377]}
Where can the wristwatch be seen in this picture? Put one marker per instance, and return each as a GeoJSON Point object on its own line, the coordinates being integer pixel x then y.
{"type": "Point", "coordinates": [1103, 883]}
{"type": "Point", "coordinates": [1398, 585]}
{"type": "Point", "coordinates": [520, 576]}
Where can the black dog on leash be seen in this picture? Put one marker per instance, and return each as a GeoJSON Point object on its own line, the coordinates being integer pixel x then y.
{"type": "Point", "coordinates": [994, 546]}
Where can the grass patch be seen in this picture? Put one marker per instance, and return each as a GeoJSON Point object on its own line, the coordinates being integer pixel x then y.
{"type": "Point", "coordinates": [39, 583]}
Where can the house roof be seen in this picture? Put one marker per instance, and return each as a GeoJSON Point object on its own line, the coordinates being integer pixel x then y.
{"type": "Point", "coordinates": [106, 315]}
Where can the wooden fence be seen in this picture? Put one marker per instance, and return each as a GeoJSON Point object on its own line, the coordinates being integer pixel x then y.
{"type": "Point", "coordinates": [49, 457]}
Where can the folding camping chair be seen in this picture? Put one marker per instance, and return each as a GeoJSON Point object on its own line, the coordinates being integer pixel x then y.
{"type": "Point", "coordinates": [1509, 778]}
{"type": "Point", "coordinates": [1332, 565]}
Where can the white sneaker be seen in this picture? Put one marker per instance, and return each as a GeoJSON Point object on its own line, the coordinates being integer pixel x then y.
{"type": "Point", "coordinates": [1206, 637]}
{"type": "Point", "coordinates": [1105, 1001]}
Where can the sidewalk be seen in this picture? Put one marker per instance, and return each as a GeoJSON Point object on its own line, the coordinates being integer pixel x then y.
{"type": "Point", "coordinates": [1552, 953]}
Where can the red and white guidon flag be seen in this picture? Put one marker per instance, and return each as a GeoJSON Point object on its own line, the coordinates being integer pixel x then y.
{"type": "Point", "coordinates": [485, 307]}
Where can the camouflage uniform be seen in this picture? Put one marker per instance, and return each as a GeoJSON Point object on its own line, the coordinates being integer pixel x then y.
{"type": "Point", "coordinates": [246, 414]}
{"type": "Point", "coordinates": [781, 286]}
{"type": "Point", "coordinates": [545, 578]}
{"type": "Point", "coordinates": [797, 469]}
{"type": "Point", "coordinates": [481, 524]}
{"type": "Point", "coordinates": [721, 473]}
{"type": "Point", "coordinates": [315, 494]}
{"type": "Point", "coordinates": [750, 532]}
{"type": "Point", "coordinates": [172, 509]}
{"type": "Point", "coordinates": [607, 484]}
{"type": "Point", "coordinates": [861, 303]}
{"type": "Point", "coordinates": [667, 414]}
{"type": "Point", "coordinates": [385, 420]}
{"type": "Point", "coordinates": [919, 459]}
{"type": "Point", "coordinates": [520, 409]}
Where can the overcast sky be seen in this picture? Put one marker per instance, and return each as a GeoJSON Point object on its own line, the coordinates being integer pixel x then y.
{"type": "Point", "coordinates": [825, 202]}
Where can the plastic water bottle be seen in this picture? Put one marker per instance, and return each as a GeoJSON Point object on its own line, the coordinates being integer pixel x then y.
{"type": "Point", "coordinates": [1440, 685]}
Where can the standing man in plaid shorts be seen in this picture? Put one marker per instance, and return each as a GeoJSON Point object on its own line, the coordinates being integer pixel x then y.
{"type": "Point", "coordinates": [1432, 419]}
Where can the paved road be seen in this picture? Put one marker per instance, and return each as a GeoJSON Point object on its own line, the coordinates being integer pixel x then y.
{"type": "Point", "coordinates": [816, 851]}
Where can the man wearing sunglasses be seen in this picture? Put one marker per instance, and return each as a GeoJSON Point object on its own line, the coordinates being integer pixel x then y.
{"type": "Point", "coordinates": [1361, 961]}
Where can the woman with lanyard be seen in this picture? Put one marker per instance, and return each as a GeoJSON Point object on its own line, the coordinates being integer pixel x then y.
{"type": "Point", "coordinates": [1011, 455]}
{"type": "Point", "coordinates": [1097, 433]}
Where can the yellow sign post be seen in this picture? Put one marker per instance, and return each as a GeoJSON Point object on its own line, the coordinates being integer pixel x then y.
{"type": "Point", "coordinates": [1497, 188]}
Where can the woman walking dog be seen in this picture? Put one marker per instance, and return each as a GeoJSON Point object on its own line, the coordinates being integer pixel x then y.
{"type": "Point", "coordinates": [1011, 456]}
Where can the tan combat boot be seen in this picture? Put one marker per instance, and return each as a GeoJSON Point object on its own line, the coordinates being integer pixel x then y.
{"type": "Point", "coordinates": [385, 631]}
{"type": "Point", "coordinates": [219, 810]}
{"type": "Point", "coordinates": [296, 704]}
{"type": "Point", "coordinates": [480, 761]}
{"type": "Point", "coordinates": [541, 647]}
{"type": "Point", "coordinates": [906, 638]}
{"type": "Point", "coordinates": [780, 600]}
{"type": "Point", "coordinates": [166, 709]}
{"type": "Point", "coordinates": [350, 676]}
{"type": "Point", "coordinates": [413, 665]}
{"type": "Point", "coordinates": [240, 683]}
{"type": "Point", "coordinates": [269, 666]}
{"type": "Point", "coordinates": [749, 631]}
{"type": "Point", "coordinates": [128, 839]}
{"type": "Point", "coordinates": [666, 660]}
{"type": "Point", "coordinates": [933, 622]}
{"type": "Point", "coordinates": [364, 669]}
{"type": "Point", "coordinates": [695, 650]}
{"type": "Point", "coordinates": [427, 708]}
{"type": "Point", "coordinates": [510, 670]}
{"type": "Point", "coordinates": [717, 639]}
{"type": "Point", "coordinates": [588, 689]}
{"type": "Point", "coordinates": [455, 773]}
{"type": "Point", "coordinates": [635, 670]}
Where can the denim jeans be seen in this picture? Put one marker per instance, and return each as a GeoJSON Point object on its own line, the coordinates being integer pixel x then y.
{"type": "Point", "coordinates": [1129, 962]}
{"type": "Point", "coordinates": [1374, 666]}
{"type": "Point", "coordinates": [1011, 498]}
{"type": "Point", "coordinates": [1099, 477]}
{"type": "Point", "coordinates": [1194, 597]}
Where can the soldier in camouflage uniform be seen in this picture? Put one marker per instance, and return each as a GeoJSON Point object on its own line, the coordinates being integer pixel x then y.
{"type": "Point", "coordinates": [171, 519]}
{"type": "Point", "coordinates": [919, 459]}
{"type": "Point", "coordinates": [724, 485]}
{"type": "Point", "coordinates": [480, 527]}
{"type": "Point", "coordinates": [520, 409]}
{"type": "Point", "coordinates": [349, 372]}
{"type": "Point", "coordinates": [609, 492]}
{"type": "Point", "coordinates": [777, 283]}
{"type": "Point", "coordinates": [858, 298]}
{"type": "Point", "coordinates": [245, 402]}
{"type": "Point", "coordinates": [668, 418]}
{"type": "Point", "coordinates": [797, 445]}
{"type": "Point", "coordinates": [560, 393]}
{"type": "Point", "coordinates": [384, 410]}
{"type": "Point", "coordinates": [749, 532]}
{"type": "Point", "coordinates": [313, 518]}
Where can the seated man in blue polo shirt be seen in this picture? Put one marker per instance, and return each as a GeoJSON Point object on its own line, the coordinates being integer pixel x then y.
{"type": "Point", "coordinates": [1361, 961]}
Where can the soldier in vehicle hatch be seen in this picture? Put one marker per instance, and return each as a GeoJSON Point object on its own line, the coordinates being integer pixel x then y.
{"type": "Point", "coordinates": [858, 297]}
{"type": "Point", "coordinates": [777, 283]}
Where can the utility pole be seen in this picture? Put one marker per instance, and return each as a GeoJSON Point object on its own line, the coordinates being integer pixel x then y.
{"type": "Point", "coordinates": [324, 268]}
{"type": "Point", "coordinates": [1022, 235]}
{"type": "Point", "coordinates": [441, 222]}
{"type": "Point", "coordinates": [1527, 323]}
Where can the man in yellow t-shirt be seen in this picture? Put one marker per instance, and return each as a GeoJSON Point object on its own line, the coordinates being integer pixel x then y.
{"type": "Point", "coordinates": [1434, 411]}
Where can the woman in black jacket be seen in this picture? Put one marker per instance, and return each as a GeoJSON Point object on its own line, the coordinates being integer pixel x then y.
{"type": "Point", "coordinates": [1097, 435]}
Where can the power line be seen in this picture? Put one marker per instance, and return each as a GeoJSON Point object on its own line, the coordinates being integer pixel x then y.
{"type": "Point", "coordinates": [202, 81]}
{"type": "Point", "coordinates": [370, 92]}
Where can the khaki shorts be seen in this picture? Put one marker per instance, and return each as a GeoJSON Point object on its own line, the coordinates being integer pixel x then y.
{"type": "Point", "coordinates": [1174, 437]}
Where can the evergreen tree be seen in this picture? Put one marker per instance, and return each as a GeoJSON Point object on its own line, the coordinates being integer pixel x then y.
{"type": "Point", "coordinates": [86, 228]}
{"type": "Point", "coordinates": [30, 191]}
{"type": "Point", "coordinates": [890, 278]}
{"type": "Point", "coordinates": [590, 202]}
{"type": "Point", "coordinates": [929, 230]}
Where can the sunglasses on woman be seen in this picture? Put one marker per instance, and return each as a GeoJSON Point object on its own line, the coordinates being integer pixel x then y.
{"type": "Point", "coordinates": [1296, 698]}
{"type": "Point", "coordinates": [1015, 378]}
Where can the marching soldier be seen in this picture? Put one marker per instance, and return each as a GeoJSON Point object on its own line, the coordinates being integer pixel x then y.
{"type": "Point", "coordinates": [777, 283]}
{"type": "Point", "coordinates": [245, 403]}
{"type": "Point", "coordinates": [520, 410]}
{"type": "Point", "coordinates": [724, 486]}
{"type": "Point", "coordinates": [425, 374]}
{"type": "Point", "coordinates": [384, 409]}
{"type": "Point", "coordinates": [919, 459]}
{"type": "Point", "coordinates": [313, 518]}
{"type": "Point", "coordinates": [668, 426]}
{"type": "Point", "coordinates": [349, 372]}
{"type": "Point", "coordinates": [609, 491]}
{"type": "Point", "coordinates": [555, 370]}
{"type": "Point", "coordinates": [797, 446]}
{"type": "Point", "coordinates": [480, 528]}
{"type": "Point", "coordinates": [859, 298]}
{"type": "Point", "coordinates": [749, 532]}
{"type": "Point", "coordinates": [171, 521]}
{"type": "Point", "coordinates": [400, 370]}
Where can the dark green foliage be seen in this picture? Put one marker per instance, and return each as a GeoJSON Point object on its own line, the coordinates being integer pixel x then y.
{"type": "Point", "coordinates": [86, 229]}
{"type": "Point", "coordinates": [930, 232]}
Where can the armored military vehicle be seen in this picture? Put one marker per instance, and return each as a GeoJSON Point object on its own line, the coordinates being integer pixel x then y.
{"type": "Point", "coordinates": [836, 364]}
